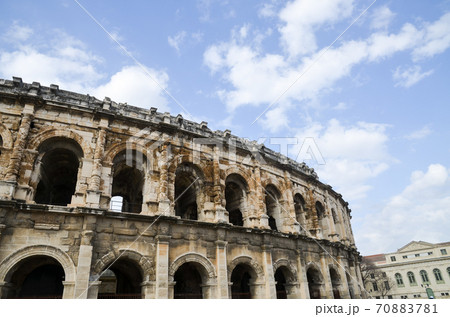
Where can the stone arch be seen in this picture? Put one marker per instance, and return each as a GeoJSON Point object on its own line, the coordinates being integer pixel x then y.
{"type": "Point", "coordinates": [285, 263]}
{"type": "Point", "coordinates": [192, 275]}
{"type": "Point", "coordinates": [6, 137]}
{"type": "Point", "coordinates": [188, 191]}
{"type": "Point", "coordinates": [241, 172]}
{"type": "Point", "coordinates": [208, 268]}
{"type": "Point", "coordinates": [247, 260]}
{"type": "Point", "coordinates": [315, 280]}
{"type": "Point", "coordinates": [53, 132]}
{"type": "Point", "coordinates": [274, 207]}
{"type": "Point", "coordinates": [237, 199]}
{"type": "Point", "coordinates": [315, 266]}
{"type": "Point", "coordinates": [56, 173]}
{"type": "Point", "coordinates": [271, 181]}
{"type": "Point", "coordinates": [38, 250]}
{"type": "Point", "coordinates": [112, 152]}
{"type": "Point", "coordinates": [143, 263]}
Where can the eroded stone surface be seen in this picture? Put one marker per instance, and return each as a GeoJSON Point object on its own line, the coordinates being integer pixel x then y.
{"type": "Point", "coordinates": [181, 183]}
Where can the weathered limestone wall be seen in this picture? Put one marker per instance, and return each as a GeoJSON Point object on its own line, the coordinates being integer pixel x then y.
{"type": "Point", "coordinates": [89, 237]}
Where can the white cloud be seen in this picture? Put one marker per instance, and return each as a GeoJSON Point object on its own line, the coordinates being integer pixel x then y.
{"type": "Point", "coordinates": [419, 134]}
{"type": "Point", "coordinates": [341, 106]}
{"type": "Point", "coordinates": [65, 61]}
{"type": "Point", "coordinates": [410, 76]}
{"type": "Point", "coordinates": [55, 67]}
{"type": "Point", "coordinates": [177, 40]}
{"type": "Point", "coordinates": [419, 212]}
{"type": "Point", "coordinates": [436, 39]}
{"type": "Point", "coordinates": [301, 18]}
{"type": "Point", "coordinates": [381, 18]}
{"type": "Point", "coordinates": [133, 86]}
{"type": "Point", "coordinates": [258, 78]}
{"type": "Point", "coordinates": [18, 33]}
{"type": "Point", "coordinates": [267, 10]}
{"type": "Point", "coordinates": [353, 154]}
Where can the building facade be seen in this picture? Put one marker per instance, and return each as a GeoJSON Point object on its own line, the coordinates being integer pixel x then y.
{"type": "Point", "coordinates": [107, 200]}
{"type": "Point", "coordinates": [417, 270]}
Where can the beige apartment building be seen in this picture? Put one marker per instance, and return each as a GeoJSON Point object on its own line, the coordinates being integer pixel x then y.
{"type": "Point", "coordinates": [417, 270]}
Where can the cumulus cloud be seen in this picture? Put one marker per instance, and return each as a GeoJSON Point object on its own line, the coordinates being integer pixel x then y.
{"type": "Point", "coordinates": [64, 60]}
{"type": "Point", "coordinates": [409, 76]}
{"type": "Point", "coordinates": [354, 154]}
{"type": "Point", "coordinates": [259, 78]}
{"type": "Point", "coordinates": [419, 212]}
{"type": "Point", "coordinates": [436, 38]}
{"type": "Point", "coordinates": [381, 18]}
{"type": "Point", "coordinates": [136, 86]}
{"type": "Point", "coordinates": [18, 33]}
{"type": "Point", "coordinates": [301, 18]}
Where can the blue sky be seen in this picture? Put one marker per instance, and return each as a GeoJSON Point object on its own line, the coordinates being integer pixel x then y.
{"type": "Point", "coordinates": [375, 102]}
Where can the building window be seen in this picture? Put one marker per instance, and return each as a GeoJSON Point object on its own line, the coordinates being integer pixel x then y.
{"type": "Point", "coordinates": [405, 256]}
{"type": "Point", "coordinates": [377, 297]}
{"type": "Point", "coordinates": [393, 259]}
{"type": "Point", "coordinates": [383, 274]}
{"type": "Point", "coordinates": [443, 251]}
{"type": "Point", "coordinates": [372, 275]}
{"type": "Point", "coordinates": [448, 271]}
{"type": "Point", "coordinates": [424, 276]}
{"type": "Point", "coordinates": [430, 253]}
{"type": "Point", "coordinates": [399, 279]}
{"type": "Point", "coordinates": [417, 255]}
{"type": "Point", "coordinates": [375, 287]}
{"type": "Point", "coordinates": [389, 296]}
{"type": "Point", "coordinates": [411, 278]}
{"type": "Point", "coordinates": [386, 285]}
{"type": "Point", "coordinates": [438, 276]}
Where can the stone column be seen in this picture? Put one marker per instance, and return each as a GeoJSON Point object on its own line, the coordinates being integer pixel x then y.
{"type": "Point", "coordinates": [290, 220]}
{"type": "Point", "coordinates": [301, 276]}
{"type": "Point", "coordinates": [84, 264]}
{"type": "Point", "coordinates": [326, 275]}
{"type": "Point", "coordinates": [92, 292]}
{"type": "Point", "coordinates": [8, 187]}
{"type": "Point", "coordinates": [344, 283]}
{"type": "Point", "coordinates": [148, 289]}
{"type": "Point", "coordinates": [268, 272]}
{"type": "Point", "coordinates": [221, 214]}
{"type": "Point", "coordinates": [259, 218]}
{"type": "Point", "coordinates": [93, 192]}
{"type": "Point", "coordinates": [359, 279]}
{"type": "Point", "coordinates": [222, 270]}
{"type": "Point", "coordinates": [164, 207]}
{"type": "Point", "coordinates": [162, 266]}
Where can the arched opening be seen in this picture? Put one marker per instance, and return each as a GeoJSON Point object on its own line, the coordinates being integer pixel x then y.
{"type": "Point", "coordinates": [335, 283]}
{"type": "Point", "coordinates": [188, 282]}
{"type": "Point", "coordinates": [186, 185]}
{"type": "Point", "coordinates": [273, 208]}
{"type": "Point", "coordinates": [280, 285]}
{"type": "Point", "coordinates": [242, 278]}
{"type": "Point", "coordinates": [314, 282]}
{"type": "Point", "coordinates": [57, 171]}
{"type": "Point", "coordinates": [235, 196]}
{"type": "Point", "coordinates": [121, 281]}
{"type": "Point", "coordinates": [128, 180]}
{"type": "Point", "coordinates": [36, 277]}
{"type": "Point", "coordinates": [320, 210]}
{"type": "Point", "coordinates": [300, 207]}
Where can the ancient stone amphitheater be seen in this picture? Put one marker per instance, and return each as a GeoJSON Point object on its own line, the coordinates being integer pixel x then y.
{"type": "Point", "coordinates": [106, 200]}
